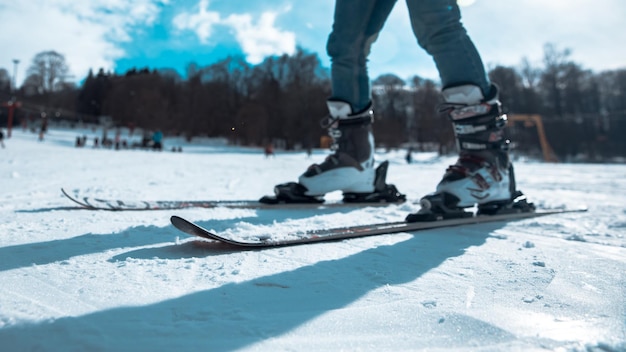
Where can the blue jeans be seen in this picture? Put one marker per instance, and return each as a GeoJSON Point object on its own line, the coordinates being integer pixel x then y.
{"type": "Point", "coordinates": [437, 27]}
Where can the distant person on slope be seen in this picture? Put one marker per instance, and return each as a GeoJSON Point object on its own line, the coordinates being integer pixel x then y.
{"type": "Point", "coordinates": [482, 175]}
{"type": "Point", "coordinates": [157, 140]}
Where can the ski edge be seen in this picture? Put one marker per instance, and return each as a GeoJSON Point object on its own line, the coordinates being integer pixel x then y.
{"type": "Point", "coordinates": [342, 233]}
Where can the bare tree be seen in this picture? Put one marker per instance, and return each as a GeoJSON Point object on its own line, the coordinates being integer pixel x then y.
{"type": "Point", "coordinates": [556, 63]}
{"type": "Point", "coordinates": [5, 81]}
{"type": "Point", "coordinates": [511, 87]}
{"type": "Point", "coordinates": [428, 126]}
{"type": "Point", "coordinates": [391, 99]}
{"type": "Point", "coordinates": [530, 74]}
{"type": "Point", "coordinates": [48, 72]}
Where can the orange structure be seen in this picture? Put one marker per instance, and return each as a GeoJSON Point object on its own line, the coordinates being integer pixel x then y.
{"type": "Point", "coordinates": [534, 120]}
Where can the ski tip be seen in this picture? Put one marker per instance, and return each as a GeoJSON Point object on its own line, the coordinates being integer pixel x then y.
{"type": "Point", "coordinates": [182, 224]}
{"type": "Point", "coordinates": [74, 199]}
{"type": "Point", "coordinates": [176, 220]}
{"type": "Point", "coordinates": [67, 194]}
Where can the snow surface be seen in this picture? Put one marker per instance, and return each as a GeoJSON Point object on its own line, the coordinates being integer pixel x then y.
{"type": "Point", "coordinates": [80, 280]}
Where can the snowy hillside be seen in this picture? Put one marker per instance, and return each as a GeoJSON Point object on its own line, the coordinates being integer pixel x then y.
{"type": "Point", "coordinates": [81, 280]}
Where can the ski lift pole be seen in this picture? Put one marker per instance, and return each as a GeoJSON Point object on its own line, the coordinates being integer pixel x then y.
{"type": "Point", "coordinates": [11, 105]}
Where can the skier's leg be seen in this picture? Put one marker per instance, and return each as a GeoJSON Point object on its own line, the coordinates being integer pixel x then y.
{"type": "Point", "coordinates": [438, 29]}
{"type": "Point", "coordinates": [355, 28]}
{"type": "Point", "coordinates": [351, 166]}
{"type": "Point", "coordinates": [483, 174]}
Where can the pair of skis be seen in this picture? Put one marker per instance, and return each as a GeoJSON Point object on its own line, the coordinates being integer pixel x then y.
{"type": "Point", "coordinates": [311, 236]}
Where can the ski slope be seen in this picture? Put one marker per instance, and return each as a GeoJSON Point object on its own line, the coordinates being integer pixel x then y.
{"type": "Point", "coordinates": [80, 280]}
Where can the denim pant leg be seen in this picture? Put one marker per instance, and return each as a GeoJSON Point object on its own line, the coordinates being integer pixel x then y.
{"type": "Point", "coordinates": [437, 26]}
{"type": "Point", "coordinates": [355, 27]}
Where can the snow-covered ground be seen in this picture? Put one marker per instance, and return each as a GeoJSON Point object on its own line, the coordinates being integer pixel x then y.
{"type": "Point", "coordinates": [80, 280]}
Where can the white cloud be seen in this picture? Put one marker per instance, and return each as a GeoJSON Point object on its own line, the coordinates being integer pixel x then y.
{"type": "Point", "coordinates": [257, 40]}
{"type": "Point", "coordinates": [87, 33]}
{"type": "Point", "coordinates": [201, 23]}
{"type": "Point", "coordinates": [261, 39]}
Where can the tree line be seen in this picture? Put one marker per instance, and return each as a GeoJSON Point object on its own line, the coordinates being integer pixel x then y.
{"type": "Point", "coordinates": [282, 100]}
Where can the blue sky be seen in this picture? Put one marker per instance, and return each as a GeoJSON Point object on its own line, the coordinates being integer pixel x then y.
{"type": "Point", "coordinates": [120, 34]}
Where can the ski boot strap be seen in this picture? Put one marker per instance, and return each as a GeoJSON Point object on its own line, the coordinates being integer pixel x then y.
{"type": "Point", "coordinates": [340, 114]}
{"type": "Point", "coordinates": [478, 121]}
{"type": "Point", "coordinates": [290, 192]}
{"type": "Point", "coordinates": [479, 127]}
{"type": "Point", "coordinates": [383, 192]}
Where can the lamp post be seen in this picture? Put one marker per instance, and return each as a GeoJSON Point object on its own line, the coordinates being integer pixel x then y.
{"type": "Point", "coordinates": [15, 63]}
{"type": "Point", "coordinates": [13, 103]}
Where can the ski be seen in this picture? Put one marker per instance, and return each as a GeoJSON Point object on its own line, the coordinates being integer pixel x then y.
{"type": "Point", "coordinates": [341, 233]}
{"type": "Point", "coordinates": [93, 203]}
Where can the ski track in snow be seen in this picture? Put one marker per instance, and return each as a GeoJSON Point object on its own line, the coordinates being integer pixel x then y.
{"type": "Point", "coordinates": [74, 279]}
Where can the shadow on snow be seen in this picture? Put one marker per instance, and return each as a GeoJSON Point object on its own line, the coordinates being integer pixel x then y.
{"type": "Point", "coordinates": [41, 253]}
{"type": "Point", "coordinates": [237, 315]}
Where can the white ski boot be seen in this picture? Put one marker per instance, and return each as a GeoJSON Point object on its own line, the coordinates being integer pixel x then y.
{"type": "Point", "coordinates": [483, 175]}
{"type": "Point", "coordinates": [349, 169]}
